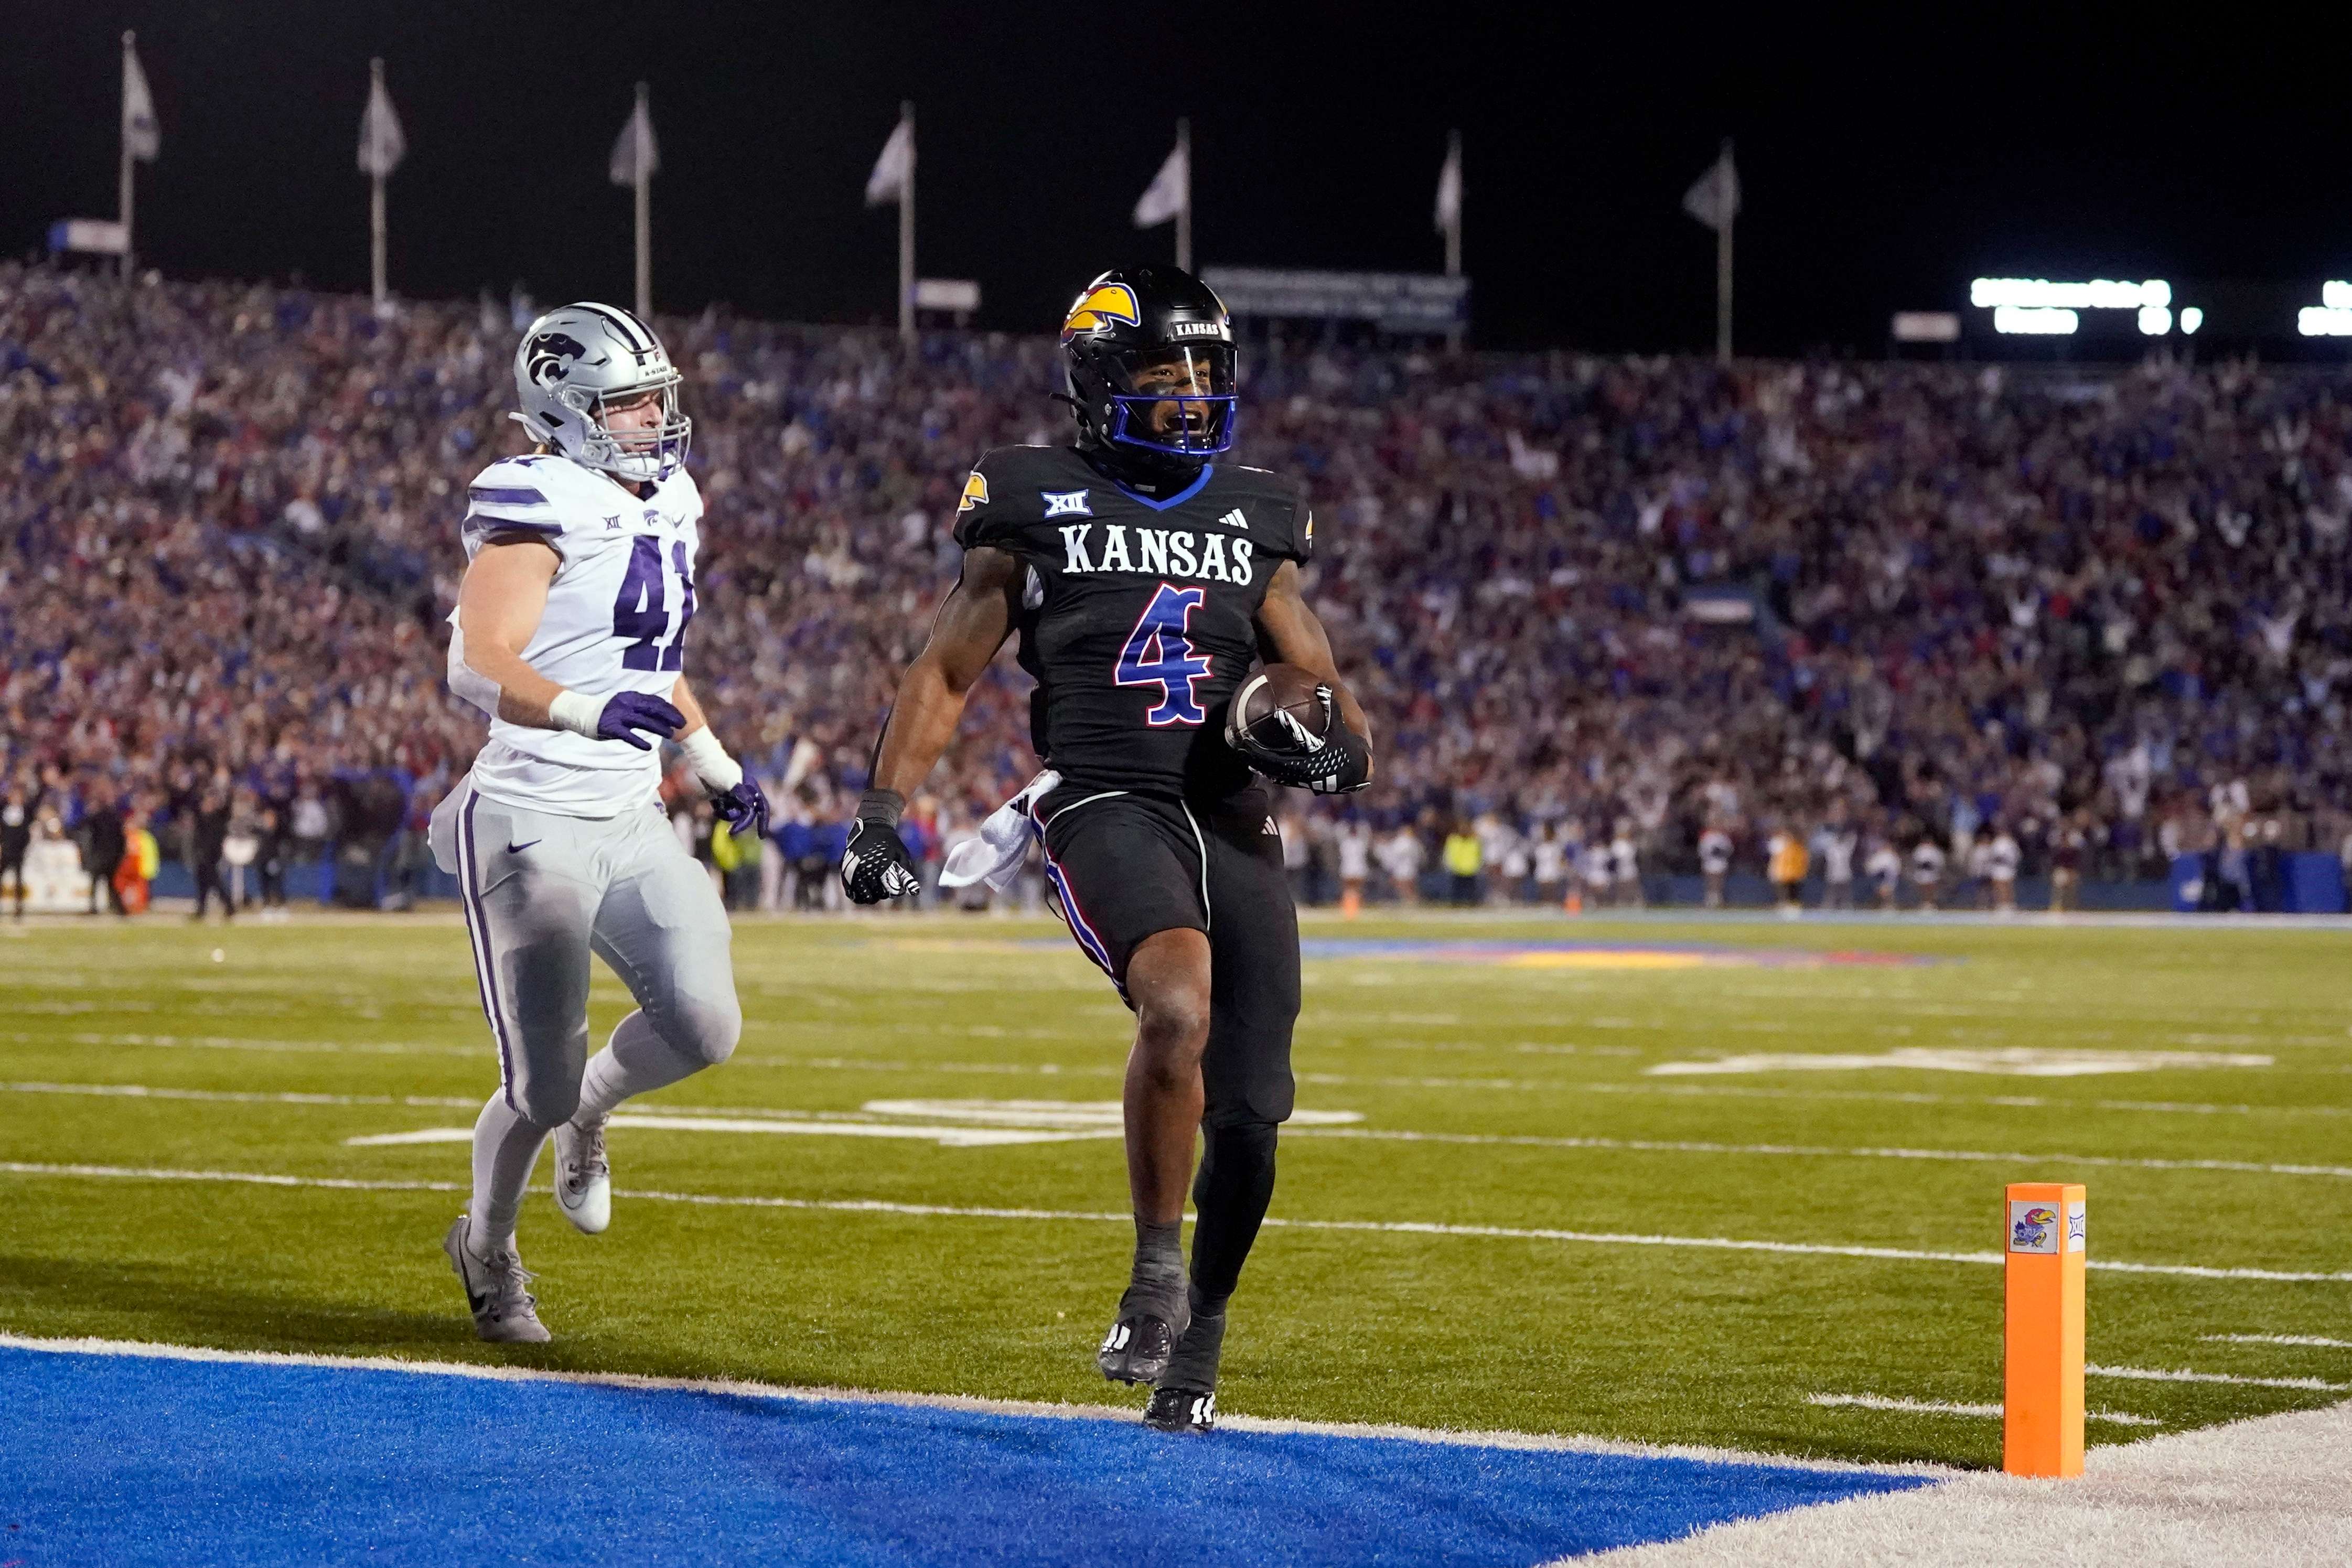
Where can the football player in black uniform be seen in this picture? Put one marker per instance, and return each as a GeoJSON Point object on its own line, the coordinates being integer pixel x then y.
{"type": "Point", "coordinates": [1145, 579]}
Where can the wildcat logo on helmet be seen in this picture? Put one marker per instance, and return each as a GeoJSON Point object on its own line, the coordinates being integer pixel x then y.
{"type": "Point", "coordinates": [551, 355]}
{"type": "Point", "coordinates": [1098, 307]}
{"type": "Point", "coordinates": [975, 491]}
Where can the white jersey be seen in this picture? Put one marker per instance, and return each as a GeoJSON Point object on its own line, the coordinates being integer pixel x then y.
{"type": "Point", "coordinates": [1355, 842]}
{"type": "Point", "coordinates": [1715, 851]}
{"type": "Point", "coordinates": [1836, 847]}
{"type": "Point", "coordinates": [1551, 859]}
{"type": "Point", "coordinates": [616, 621]}
{"type": "Point", "coordinates": [2001, 859]}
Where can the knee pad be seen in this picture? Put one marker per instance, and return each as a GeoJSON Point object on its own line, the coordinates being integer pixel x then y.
{"type": "Point", "coordinates": [548, 1101]}
{"type": "Point", "coordinates": [706, 1029]}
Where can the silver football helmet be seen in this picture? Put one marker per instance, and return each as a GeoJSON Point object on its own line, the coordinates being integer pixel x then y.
{"type": "Point", "coordinates": [578, 361]}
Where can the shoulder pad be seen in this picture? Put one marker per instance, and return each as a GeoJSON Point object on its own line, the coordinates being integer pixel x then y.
{"type": "Point", "coordinates": [1291, 530]}
{"type": "Point", "coordinates": [517, 495]}
{"type": "Point", "coordinates": [1004, 491]}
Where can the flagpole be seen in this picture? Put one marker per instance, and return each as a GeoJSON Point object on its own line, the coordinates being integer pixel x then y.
{"type": "Point", "coordinates": [1184, 207]}
{"type": "Point", "coordinates": [907, 229]}
{"type": "Point", "coordinates": [645, 195]}
{"type": "Point", "coordinates": [130, 39]}
{"type": "Point", "coordinates": [1723, 277]}
{"type": "Point", "coordinates": [1454, 227]}
{"type": "Point", "coordinates": [375, 196]}
{"type": "Point", "coordinates": [1453, 222]}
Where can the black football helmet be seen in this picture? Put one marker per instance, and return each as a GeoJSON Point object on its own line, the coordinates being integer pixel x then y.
{"type": "Point", "coordinates": [1149, 352]}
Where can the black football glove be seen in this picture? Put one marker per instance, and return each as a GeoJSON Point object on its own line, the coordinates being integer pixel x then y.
{"type": "Point", "coordinates": [1334, 763]}
{"type": "Point", "coordinates": [875, 865]}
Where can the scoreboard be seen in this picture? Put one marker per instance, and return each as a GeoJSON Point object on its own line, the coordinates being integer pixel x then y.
{"type": "Point", "coordinates": [2112, 317]}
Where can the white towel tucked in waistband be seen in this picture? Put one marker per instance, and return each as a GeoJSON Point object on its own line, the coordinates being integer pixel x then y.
{"type": "Point", "coordinates": [995, 857]}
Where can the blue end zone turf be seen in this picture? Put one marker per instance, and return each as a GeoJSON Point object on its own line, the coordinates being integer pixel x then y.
{"type": "Point", "coordinates": [127, 1460]}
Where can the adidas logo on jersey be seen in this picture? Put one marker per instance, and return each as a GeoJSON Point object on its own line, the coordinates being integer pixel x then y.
{"type": "Point", "coordinates": [1235, 519]}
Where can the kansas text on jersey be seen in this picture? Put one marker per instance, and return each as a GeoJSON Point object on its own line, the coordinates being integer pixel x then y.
{"type": "Point", "coordinates": [616, 621]}
{"type": "Point", "coordinates": [1139, 613]}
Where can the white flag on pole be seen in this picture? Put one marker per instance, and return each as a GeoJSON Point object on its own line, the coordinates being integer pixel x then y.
{"type": "Point", "coordinates": [1170, 193]}
{"type": "Point", "coordinates": [634, 153]}
{"type": "Point", "coordinates": [382, 146]}
{"type": "Point", "coordinates": [141, 133]}
{"type": "Point", "coordinates": [893, 168]}
{"type": "Point", "coordinates": [1714, 199]}
{"type": "Point", "coordinates": [1449, 190]}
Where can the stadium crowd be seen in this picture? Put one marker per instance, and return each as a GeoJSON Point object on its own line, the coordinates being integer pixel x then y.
{"type": "Point", "coordinates": [1611, 616]}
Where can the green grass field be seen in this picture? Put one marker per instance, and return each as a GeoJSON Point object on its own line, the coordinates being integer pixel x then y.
{"type": "Point", "coordinates": [267, 1058]}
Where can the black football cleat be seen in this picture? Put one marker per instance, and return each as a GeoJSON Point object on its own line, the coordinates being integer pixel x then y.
{"type": "Point", "coordinates": [1181, 1410]}
{"type": "Point", "coordinates": [1149, 1323]}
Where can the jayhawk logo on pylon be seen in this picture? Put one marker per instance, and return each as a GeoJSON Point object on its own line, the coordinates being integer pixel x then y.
{"type": "Point", "coordinates": [1099, 306]}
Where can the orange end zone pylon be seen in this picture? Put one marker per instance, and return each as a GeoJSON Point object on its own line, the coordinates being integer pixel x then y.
{"type": "Point", "coordinates": [2042, 1395]}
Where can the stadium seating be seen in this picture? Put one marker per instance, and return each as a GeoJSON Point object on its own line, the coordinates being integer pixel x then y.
{"type": "Point", "coordinates": [1570, 590]}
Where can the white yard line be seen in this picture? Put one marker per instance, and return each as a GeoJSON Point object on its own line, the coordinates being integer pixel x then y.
{"type": "Point", "coordinates": [1385, 1227]}
{"type": "Point", "coordinates": [2158, 1375]}
{"type": "Point", "coordinates": [245, 1042]}
{"type": "Point", "coordinates": [726, 1119]}
{"type": "Point", "coordinates": [236, 1097]}
{"type": "Point", "coordinates": [1686, 1146]}
{"type": "Point", "coordinates": [951, 1137]}
{"type": "Point", "coordinates": [1938, 1407]}
{"type": "Point", "coordinates": [1092, 1069]}
{"type": "Point", "coordinates": [2016, 1061]}
{"type": "Point", "coordinates": [2279, 1339]}
{"type": "Point", "coordinates": [740, 1388]}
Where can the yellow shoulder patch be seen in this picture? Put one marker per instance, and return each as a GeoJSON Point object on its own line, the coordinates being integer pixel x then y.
{"type": "Point", "coordinates": [975, 491]}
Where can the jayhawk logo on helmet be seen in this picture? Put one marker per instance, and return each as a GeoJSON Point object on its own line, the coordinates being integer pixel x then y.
{"type": "Point", "coordinates": [1099, 306]}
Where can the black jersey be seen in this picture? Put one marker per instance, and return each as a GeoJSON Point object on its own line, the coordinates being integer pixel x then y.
{"type": "Point", "coordinates": [1139, 614]}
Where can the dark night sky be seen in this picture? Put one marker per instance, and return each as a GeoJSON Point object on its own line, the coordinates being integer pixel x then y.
{"type": "Point", "coordinates": [1884, 163]}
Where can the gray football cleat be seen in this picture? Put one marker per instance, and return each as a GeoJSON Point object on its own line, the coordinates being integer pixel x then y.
{"type": "Point", "coordinates": [497, 1291]}
{"type": "Point", "coordinates": [584, 1177]}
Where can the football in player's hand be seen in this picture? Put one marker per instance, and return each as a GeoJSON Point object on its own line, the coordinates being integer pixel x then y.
{"type": "Point", "coordinates": [1264, 700]}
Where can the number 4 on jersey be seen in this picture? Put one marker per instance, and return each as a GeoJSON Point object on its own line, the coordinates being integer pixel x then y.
{"type": "Point", "coordinates": [641, 614]}
{"type": "Point", "coordinates": [1157, 653]}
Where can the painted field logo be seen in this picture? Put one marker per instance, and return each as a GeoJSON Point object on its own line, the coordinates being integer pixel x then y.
{"type": "Point", "coordinates": [2033, 1227]}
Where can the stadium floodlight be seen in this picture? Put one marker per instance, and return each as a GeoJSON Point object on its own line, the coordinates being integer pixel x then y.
{"type": "Point", "coordinates": [2155, 321]}
{"type": "Point", "coordinates": [2335, 296]}
{"type": "Point", "coordinates": [2036, 321]}
{"type": "Point", "coordinates": [2191, 317]}
{"type": "Point", "coordinates": [2041, 293]}
{"type": "Point", "coordinates": [2323, 322]}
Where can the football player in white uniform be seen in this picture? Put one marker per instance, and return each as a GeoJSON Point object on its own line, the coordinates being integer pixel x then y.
{"type": "Point", "coordinates": [569, 631]}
